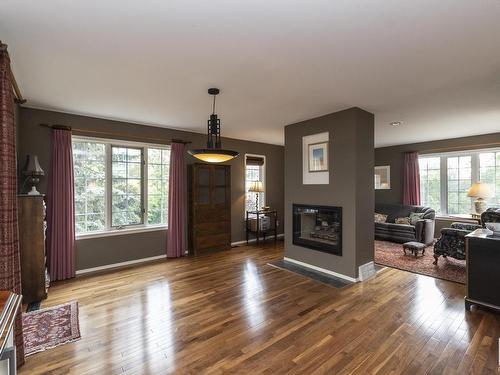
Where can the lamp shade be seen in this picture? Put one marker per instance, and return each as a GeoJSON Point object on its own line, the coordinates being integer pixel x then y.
{"type": "Point", "coordinates": [32, 166]}
{"type": "Point", "coordinates": [256, 187]}
{"type": "Point", "coordinates": [479, 190]}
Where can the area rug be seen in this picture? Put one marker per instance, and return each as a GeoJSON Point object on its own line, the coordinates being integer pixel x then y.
{"type": "Point", "coordinates": [50, 327]}
{"type": "Point", "coordinates": [391, 254]}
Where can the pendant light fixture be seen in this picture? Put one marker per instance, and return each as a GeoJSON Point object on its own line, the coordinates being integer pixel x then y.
{"type": "Point", "coordinates": [214, 152]}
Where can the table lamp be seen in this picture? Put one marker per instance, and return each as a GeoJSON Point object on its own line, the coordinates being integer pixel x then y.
{"type": "Point", "coordinates": [33, 171]}
{"type": "Point", "coordinates": [256, 187]}
{"type": "Point", "coordinates": [480, 191]}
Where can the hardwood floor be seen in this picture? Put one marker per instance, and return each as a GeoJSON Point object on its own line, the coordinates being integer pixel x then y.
{"type": "Point", "coordinates": [230, 312]}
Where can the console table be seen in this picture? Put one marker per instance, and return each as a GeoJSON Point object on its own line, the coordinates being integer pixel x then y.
{"type": "Point", "coordinates": [9, 307]}
{"type": "Point", "coordinates": [256, 217]}
{"type": "Point", "coordinates": [483, 270]}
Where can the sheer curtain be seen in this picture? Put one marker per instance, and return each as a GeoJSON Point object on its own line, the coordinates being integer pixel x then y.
{"type": "Point", "coordinates": [411, 182]}
{"type": "Point", "coordinates": [177, 201]}
{"type": "Point", "coordinates": [61, 208]}
{"type": "Point", "coordinates": [10, 267]}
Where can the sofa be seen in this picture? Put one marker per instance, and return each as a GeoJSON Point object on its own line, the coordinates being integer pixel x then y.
{"type": "Point", "coordinates": [452, 240]}
{"type": "Point", "coordinates": [422, 231]}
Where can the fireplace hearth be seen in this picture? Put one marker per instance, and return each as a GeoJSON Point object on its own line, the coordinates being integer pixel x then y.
{"type": "Point", "coordinates": [318, 227]}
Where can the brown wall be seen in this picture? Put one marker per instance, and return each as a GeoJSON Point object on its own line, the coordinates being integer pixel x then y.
{"type": "Point", "coordinates": [34, 139]}
{"type": "Point", "coordinates": [394, 157]}
{"type": "Point", "coordinates": [351, 187]}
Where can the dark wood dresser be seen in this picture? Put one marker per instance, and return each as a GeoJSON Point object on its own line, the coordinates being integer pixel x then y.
{"type": "Point", "coordinates": [483, 270]}
{"type": "Point", "coordinates": [209, 207]}
{"type": "Point", "coordinates": [32, 225]}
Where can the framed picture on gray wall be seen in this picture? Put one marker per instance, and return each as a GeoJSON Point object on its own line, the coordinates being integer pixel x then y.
{"type": "Point", "coordinates": [383, 177]}
{"type": "Point", "coordinates": [316, 162]}
{"type": "Point", "coordinates": [317, 157]}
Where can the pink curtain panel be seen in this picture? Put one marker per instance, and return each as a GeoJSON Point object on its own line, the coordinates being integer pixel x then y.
{"type": "Point", "coordinates": [10, 266]}
{"type": "Point", "coordinates": [411, 182]}
{"type": "Point", "coordinates": [61, 208]}
{"type": "Point", "coordinates": [177, 202]}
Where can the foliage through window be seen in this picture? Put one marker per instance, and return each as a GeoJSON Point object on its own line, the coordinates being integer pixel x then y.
{"type": "Point", "coordinates": [430, 182]}
{"type": "Point", "coordinates": [119, 185]}
{"type": "Point", "coordinates": [89, 159]}
{"type": "Point", "coordinates": [446, 179]}
{"type": "Point", "coordinates": [158, 164]}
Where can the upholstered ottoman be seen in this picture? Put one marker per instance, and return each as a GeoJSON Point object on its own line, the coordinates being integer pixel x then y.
{"type": "Point", "coordinates": [414, 247]}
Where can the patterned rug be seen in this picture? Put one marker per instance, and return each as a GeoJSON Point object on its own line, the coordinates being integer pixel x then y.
{"type": "Point", "coordinates": [50, 327]}
{"type": "Point", "coordinates": [391, 254]}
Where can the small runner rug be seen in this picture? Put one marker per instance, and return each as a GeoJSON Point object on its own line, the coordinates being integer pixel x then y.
{"type": "Point", "coordinates": [50, 327]}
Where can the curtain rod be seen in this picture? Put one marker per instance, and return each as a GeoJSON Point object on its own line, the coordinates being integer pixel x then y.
{"type": "Point", "coordinates": [113, 134]}
{"type": "Point", "coordinates": [19, 97]}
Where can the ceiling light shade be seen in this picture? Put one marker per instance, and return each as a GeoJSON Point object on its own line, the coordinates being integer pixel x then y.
{"type": "Point", "coordinates": [214, 152]}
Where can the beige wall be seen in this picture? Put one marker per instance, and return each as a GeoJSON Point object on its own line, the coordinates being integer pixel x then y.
{"type": "Point", "coordinates": [34, 139]}
{"type": "Point", "coordinates": [351, 187]}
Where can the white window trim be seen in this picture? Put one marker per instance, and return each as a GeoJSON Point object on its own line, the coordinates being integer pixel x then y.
{"type": "Point", "coordinates": [129, 229]}
{"type": "Point", "coordinates": [264, 168]}
{"type": "Point", "coordinates": [475, 172]}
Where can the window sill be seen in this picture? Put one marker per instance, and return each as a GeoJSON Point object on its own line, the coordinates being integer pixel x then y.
{"type": "Point", "coordinates": [456, 217]}
{"type": "Point", "coordinates": [120, 232]}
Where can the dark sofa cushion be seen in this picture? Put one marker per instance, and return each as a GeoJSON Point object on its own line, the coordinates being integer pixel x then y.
{"type": "Point", "coordinates": [394, 211]}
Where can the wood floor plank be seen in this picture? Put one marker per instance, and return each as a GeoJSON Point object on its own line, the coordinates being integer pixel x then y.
{"type": "Point", "coordinates": [229, 312]}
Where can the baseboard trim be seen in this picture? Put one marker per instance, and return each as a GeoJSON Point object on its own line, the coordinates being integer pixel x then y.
{"type": "Point", "coordinates": [316, 268]}
{"type": "Point", "coordinates": [119, 265]}
{"type": "Point", "coordinates": [254, 240]}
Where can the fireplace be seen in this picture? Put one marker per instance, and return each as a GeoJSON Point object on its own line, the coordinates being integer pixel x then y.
{"type": "Point", "coordinates": [318, 227]}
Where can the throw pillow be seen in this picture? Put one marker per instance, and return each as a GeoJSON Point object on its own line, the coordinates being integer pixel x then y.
{"type": "Point", "coordinates": [414, 217]}
{"type": "Point", "coordinates": [402, 220]}
{"type": "Point", "coordinates": [380, 218]}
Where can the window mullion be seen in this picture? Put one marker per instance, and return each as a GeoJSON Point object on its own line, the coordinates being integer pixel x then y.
{"type": "Point", "coordinates": [109, 187]}
{"type": "Point", "coordinates": [444, 184]}
{"type": "Point", "coordinates": [144, 184]}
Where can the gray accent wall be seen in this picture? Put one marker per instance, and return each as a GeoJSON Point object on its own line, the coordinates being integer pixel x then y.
{"type": "Point", "coordinates": [351, 162]}
{"type": "Point", "coordinates": [95, 252]}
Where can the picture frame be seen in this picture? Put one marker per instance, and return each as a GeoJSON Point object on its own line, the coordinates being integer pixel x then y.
{"type": "Point", "coordinates": [383, 177]}
{"type": "Point", "coordinates": [316, 165]}
{"type": "Point", "coordinates": [317, 157]}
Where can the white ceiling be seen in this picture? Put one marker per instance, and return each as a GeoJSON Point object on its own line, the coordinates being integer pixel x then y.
{"type": "Point", "coordinates": [434, 65]}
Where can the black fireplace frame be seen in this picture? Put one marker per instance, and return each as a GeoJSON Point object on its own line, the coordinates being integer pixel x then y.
{"type": "Point", "coordinates": [323, 247]}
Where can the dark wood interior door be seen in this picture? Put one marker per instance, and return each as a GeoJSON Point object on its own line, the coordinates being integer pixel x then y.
{"type": "Point", "coordinates": [210, 211]}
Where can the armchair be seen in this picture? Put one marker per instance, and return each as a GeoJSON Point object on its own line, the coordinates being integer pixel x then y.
{"type": "Point", "coordinates": [452, 240]}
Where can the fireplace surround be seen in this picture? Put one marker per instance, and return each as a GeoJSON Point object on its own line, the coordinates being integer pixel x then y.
{"type": "Point", "coordinates": [318, 227]}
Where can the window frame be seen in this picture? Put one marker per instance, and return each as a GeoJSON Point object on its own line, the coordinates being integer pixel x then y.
{"type": "Point", "coordinates": [132, 228]}
{"type": "Point", "coordinates": [263, 168]}
{"type": "Point", "coordinates": [475, 172]}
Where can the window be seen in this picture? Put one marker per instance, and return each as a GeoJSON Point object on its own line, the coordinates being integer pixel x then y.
{"type": "Point", "coordinates": [446, 179]}
{"type": "Point", "coordinates": [254, 171]}
{"type": "Point", "coordinates": [126, 182]}
{"type": "Point", "coordinates": [430, 182]}
{"type": "Point", "coordinates": [89, 162]}
{"type": "Point", "coordinates": [119, 185]}
{"type": "Point", "coordinates": [158, 164]}
{"type": "Point", "coordinates": [489, 173]}
{"type": "Point", "coordinates": [459, 171]}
